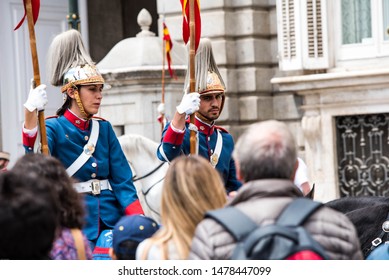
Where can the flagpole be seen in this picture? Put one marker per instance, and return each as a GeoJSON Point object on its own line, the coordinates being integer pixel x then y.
{"type": "Point", "coordinates": [73, 16]}
{"type": "Point", "coordinates": [163, 74]}
{"type": "Point", "coordinates": [192, 83]}
{"type": "Point", "coordinates": [37, 79]}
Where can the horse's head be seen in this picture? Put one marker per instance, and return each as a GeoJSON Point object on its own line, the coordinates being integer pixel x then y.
{"type": "Point", "coordinates": [137, 147]}
{"type": "Point", "coordinates": [148, 170]}
{"type": "Point", "coordinates": [367, 213]}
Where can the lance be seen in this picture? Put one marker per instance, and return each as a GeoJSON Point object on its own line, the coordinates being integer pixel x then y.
{"type": "Point", "coordinates": [163, 77]}
{"type": "Point", "coordinates": [37, 79]}
{"type": "Point", "coordinates": [192, 81]}
{"type": "Point", "coordinates": [73, 16]}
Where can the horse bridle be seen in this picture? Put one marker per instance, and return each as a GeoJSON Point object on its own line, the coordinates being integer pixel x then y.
{"type": "Point", "coordinates": [377, 241]}
{"type": "Point", "coordinates": [135, 178]}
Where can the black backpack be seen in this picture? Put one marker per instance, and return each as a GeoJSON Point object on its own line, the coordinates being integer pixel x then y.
{"type": "Point", "coordinates": [286, 239]}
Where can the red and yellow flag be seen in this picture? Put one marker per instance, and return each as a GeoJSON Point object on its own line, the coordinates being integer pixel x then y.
{"type": "Point", "coordinates": [35, 12]}
{"type": "Point", "coordinates": [168, 48]}
{"type": "Point", "coordinates": [186, 20]}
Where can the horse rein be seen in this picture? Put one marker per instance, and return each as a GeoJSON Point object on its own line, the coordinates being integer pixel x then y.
{"type": "Point", "coordinates": [135, 178]}
{"type": "Point", "coordinates": [377, 241]}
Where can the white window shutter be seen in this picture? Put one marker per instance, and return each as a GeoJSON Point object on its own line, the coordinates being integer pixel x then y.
{"type": "Point", "coordinates": [302, 34]}
{"type": "Point", "coordinates": [314, 34]}
{"type": "Point", "coordinates": [289, 34]}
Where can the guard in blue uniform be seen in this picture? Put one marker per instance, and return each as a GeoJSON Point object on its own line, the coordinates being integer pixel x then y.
{"type": "Point", "coordinates": [214, 143]}
{"type": "Point", "coordinates": [87, 147]}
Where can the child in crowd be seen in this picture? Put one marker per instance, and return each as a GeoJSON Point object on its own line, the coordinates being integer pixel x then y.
{"type": "Point", "coordinates": [128, 232]}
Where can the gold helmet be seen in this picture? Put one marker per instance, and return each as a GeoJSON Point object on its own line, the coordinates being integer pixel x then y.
{"type": "Point", "coordinates": [208, 77]}
{"type": "Point", "coordinates": [81, 75]}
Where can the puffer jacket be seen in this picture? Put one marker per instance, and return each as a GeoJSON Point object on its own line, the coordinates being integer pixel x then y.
{"type": "Point", "coordinates": [263, 201]}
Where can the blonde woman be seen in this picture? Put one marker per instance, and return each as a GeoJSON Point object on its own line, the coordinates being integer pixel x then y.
{"type": "Point", "coordinates": [191, 187]}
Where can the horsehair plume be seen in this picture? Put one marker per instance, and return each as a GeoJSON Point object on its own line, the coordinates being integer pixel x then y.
{"type": "Point", "coordinates": [66, 51]}
{"type": "Point", "coordinates": [204, 62]}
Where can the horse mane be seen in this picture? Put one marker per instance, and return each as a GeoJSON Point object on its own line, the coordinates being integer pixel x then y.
{"type": "Point", "coordinates": [138, 144]}
{"type": "Point", "coordinates": [367, 213]}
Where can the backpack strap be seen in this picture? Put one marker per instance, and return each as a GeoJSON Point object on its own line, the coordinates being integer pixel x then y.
{"type": "Point", "coordinates": [298, 211]}
{"type": "Point", "coordinates": [233, 220]}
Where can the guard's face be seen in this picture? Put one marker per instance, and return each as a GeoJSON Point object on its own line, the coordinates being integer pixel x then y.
{"type": "Point", "coordinates": [210, 105]}
{"type": "Point", "coordinates": [91, 96]}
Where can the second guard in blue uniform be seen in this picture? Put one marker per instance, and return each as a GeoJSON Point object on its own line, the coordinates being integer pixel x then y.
{"type": "Point", "coordinates": [214, 143]}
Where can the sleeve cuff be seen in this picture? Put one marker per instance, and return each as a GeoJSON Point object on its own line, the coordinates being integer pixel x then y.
{"type": "Point", "coordinates": [134, 208]}
{"type": "Point", "coordinates": [173, 137]}
{"type": "Point", "coordinates": [30, 132]}
{"type": "Point", "coordinates": [28, 138]}
{"type": "Point", "coordinates": [176, 129]}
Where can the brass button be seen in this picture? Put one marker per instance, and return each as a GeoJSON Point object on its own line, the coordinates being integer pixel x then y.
{"type": "Point", "coordinates": [86, 138]}
{"type": "Point", "coordinates": [93, 175]}
{"type": "Point", "coordinates": [94, 164]}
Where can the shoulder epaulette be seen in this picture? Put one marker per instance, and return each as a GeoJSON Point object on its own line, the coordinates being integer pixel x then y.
{"type": "Point", "coordinates": [51, 117]}
{"type": "Point", "coordinates": [221, 128]}
{"type": "Point", "coordinates": [98, 118]}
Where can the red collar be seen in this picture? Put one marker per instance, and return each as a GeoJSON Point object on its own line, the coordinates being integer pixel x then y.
{"type": "Point", "coordinates": [76, 121]}
{"type": "Point", "coordinates": [203, 127]}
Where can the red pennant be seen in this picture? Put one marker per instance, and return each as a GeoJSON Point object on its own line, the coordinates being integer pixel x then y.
{"type": "Point", "coordinates": [168, 48]}
{"type": "Point", "coordinates": [35, 12]}
{"type": "Point", "coordinates": [186, 20]}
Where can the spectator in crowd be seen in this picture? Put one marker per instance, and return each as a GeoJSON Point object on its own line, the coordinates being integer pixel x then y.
{"type": "Point", "coordinates": [128, 232]}
{"type": "Point", "coordinates": [28, 217]}
{"type": "Point", "coordinates": [265, 156]}
{"type": "Point", "coordinates": [191, 187]}
{"type": "Point", "coordinates": [4, 160]}
{"type": "Point", "coordinates": [70, 242]}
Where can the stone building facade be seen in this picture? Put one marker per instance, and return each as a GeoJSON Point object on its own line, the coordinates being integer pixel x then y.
{"type": "Point", "coordinates": [321, 66]}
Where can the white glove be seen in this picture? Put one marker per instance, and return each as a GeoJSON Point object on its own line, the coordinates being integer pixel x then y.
{"type": "Point", "coordinates": [190, 103]}
{"type": "Point", "coordinates": [161, 108]}
{"type": "Point", "coordinates": [37, 99]}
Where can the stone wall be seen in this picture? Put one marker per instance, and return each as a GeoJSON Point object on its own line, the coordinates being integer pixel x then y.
{"type": "Point", "coordinates": [244, 39]}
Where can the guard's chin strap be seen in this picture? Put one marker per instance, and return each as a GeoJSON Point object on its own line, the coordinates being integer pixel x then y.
{"type": "Point", "coordinates": [80, 106]}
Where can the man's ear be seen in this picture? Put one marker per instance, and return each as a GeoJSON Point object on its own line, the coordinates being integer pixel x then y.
{"type": "Point", "coordinates": [238, 172]}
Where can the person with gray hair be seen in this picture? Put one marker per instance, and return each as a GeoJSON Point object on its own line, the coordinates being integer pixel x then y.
{"type": "Point", "coordinates": [265, 156]}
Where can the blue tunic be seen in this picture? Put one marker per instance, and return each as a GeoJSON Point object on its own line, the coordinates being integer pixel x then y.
{"type": "Point", "coordinates": [66, 137]}
{"type": "Point", "coordinates": [174, 143]}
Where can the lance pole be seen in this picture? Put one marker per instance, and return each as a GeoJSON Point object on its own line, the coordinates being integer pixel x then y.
{"type": "Point", "coordinates": [73, 16]}
{"type": "Point", "coordinates": [37, 79]}
{"type": "Point", "coordinates": [163, 74]}
{"type": "Point", "coordinates": [192, 82]}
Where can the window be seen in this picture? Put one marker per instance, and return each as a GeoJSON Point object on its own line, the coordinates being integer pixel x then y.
{"type": "Point", "coordinates": [302, 34]}
{"type": "Point", "coordinates": [364, 29]}
{"type": "Point", "coordinates": [324, 34]}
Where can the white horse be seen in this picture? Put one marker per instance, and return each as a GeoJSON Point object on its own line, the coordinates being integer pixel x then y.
{"type": "Point", "coordinates": [148, 171]}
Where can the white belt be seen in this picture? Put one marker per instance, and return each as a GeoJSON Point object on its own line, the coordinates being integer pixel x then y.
{"type": "Point", "coordinates": [92, 186]}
